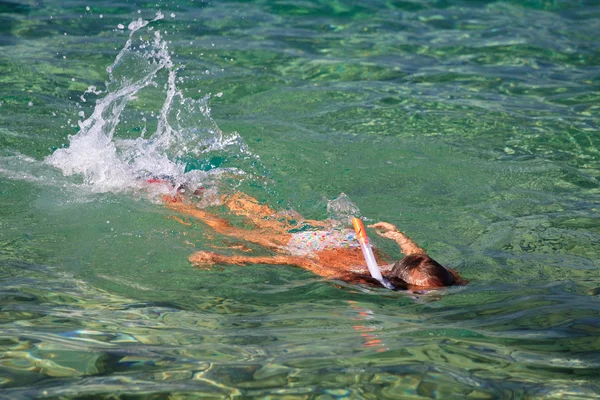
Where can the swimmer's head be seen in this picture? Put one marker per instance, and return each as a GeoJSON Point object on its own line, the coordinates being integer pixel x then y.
{"type": "Point", "coordinates": [422, 270]}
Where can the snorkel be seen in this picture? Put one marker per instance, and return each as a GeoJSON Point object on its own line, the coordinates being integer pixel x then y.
{"type": "Point", "coordinates": [365, 246]}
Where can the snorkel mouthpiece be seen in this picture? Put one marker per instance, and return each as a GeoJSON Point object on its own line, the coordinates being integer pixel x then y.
{"type": "Point", "coordinates": [365, 246]}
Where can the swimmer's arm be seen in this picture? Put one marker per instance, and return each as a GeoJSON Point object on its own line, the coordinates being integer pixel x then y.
{"type": "Point", "coordinates": [218, 224]}
{"type": "Point", "coordinates": [206, 258]}
{"type": "Point", "coordinates": [387, 230]}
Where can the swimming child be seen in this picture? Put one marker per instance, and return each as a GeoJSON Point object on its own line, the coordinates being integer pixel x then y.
{"type": "Point", "coordinates": [316, 246]}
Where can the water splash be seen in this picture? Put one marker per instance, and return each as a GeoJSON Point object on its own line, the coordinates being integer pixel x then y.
{"type": "Point", "coordinates": [185, 130]}
{"type": "Point", "coordinates": [341, 210]}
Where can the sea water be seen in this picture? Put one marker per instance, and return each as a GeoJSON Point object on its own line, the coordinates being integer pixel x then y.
{"type": "Point", "coordinates": [473, 126]}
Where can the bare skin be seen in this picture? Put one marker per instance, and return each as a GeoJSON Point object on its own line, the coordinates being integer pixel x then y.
{"type": "Point", "coordinates": [272, 232]}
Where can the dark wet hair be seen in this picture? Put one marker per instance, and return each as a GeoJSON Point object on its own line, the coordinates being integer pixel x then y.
{"type": "Point", "coordinates": [422, 270]}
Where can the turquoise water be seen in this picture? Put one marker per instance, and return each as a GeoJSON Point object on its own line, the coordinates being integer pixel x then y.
{"type": "Point", "coordinates": [472, 125]}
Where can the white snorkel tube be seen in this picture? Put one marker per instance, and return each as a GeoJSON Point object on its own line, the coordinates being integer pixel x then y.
{"type": "Point", "coordinates": [365, 246]}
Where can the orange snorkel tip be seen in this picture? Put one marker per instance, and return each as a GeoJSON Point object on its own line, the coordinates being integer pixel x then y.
{"type": "Point", "coordinates": [359, 228]}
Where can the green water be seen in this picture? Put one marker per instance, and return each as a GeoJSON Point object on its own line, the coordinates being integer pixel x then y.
{"type": "Point", "coordinates": [472, 125]}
